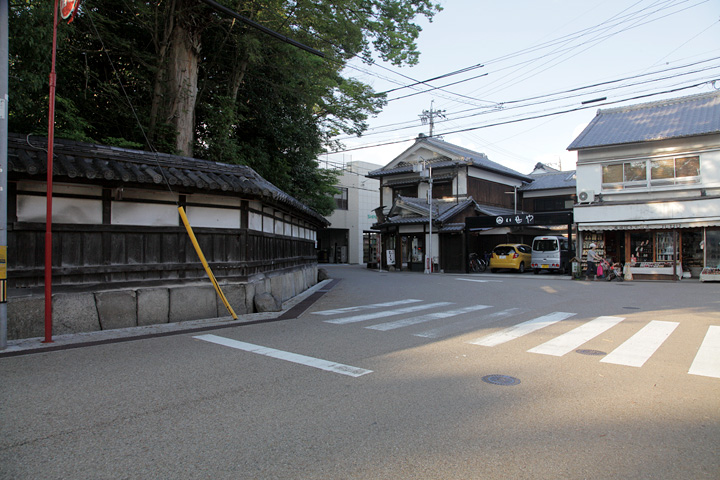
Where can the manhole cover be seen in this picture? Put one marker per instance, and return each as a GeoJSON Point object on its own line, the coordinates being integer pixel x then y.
{"type": "Point", "coordinates": [505, 380]}
{"type": "Point", "coordinates": [590, 352]}
{"type": "Point", "coordinates": [631, 308]}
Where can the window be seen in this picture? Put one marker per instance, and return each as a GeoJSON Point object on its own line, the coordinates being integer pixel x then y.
{"type": "Point", "coordinates": [442, 190]}
{"type": "Point", "coordinates": [341, 199]}
{"type": "Point", "coordinates": [410, 191]}
{"type": "Point", "coordinates": [671, 171]}
{"type": "Point", "coordinates": [646, 173]}
{"type": "Point", "coordinates": [552, 204]}
{"type": "Point", "coordinates": [547, 245]}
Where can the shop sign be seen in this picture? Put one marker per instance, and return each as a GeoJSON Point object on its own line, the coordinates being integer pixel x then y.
{"type": "Point", "coordinates": [390, 257]}
{"type": "Point", "coordinates": [517, 219]}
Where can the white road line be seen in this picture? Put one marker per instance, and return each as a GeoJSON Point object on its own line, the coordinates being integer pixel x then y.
{"type": "Point", "coordinates": [426, 318]}
{"type": "Point", "coordinates": [635, 351]}
{"type": "Point", "coordinates": [707, 360]}
{"type": "Point", "coordinates": [571, 340]}
{"type": "Point", "coordinates": [386, 313]}
{"type": "Point", "coordinates": [466, 325]}
{"type": "Point", "coordinates": [366, 307]}
{"type": "Point", "coordinates": [287, 356]}
{"type": "Point", "coordinates": [478, 280]}
{"type": "Point", "coordinates": [521, 329]}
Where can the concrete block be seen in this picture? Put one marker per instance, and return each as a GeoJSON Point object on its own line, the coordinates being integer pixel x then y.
{"type": "Point", "coordinates": [153, 306]}
{"type": "Point", "coordinates": [299, 282]}
{"type": "Point", "coordinates": [235, 294]}
{"type": "Point", "coordinates": [277, 287]}
{"type": "Point", "coordinates": [116, 309]}
{"type": "Point", "coordinates": [74, 313]}
{"type": "Point", "coordinates": [192, 303]}
{"type": "Point", "coordinates": [265, 302]}
{"type": "Point", "coordinates": [25, 317]}
{"type": "Point", "coordinates": [250, 297]}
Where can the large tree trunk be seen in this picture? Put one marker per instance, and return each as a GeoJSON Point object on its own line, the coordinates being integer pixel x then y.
{"type": "Point", "coordinates": [175, 91]}
{"type": "Point", "coordinates": [182, 86]}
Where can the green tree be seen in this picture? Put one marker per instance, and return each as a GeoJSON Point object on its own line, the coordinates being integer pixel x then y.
{"type": "Point", "coordinates": [199, 83]}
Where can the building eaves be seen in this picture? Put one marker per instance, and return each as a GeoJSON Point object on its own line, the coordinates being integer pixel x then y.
{"type": "Point", "coordinates": [463, 156]}
{"type": "Point", "coordinates": [694, 115]}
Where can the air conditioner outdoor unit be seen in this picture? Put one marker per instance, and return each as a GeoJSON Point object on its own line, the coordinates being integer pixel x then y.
{"type": "Point", "coordinates": [586, 196]}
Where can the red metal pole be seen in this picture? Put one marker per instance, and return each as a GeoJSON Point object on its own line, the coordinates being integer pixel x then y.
{"type": "Point", "coordinates": [48, 208]}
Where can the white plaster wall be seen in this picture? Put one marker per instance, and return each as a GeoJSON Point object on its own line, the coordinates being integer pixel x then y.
{"type": "Point", "coordinates": [138, 213]}
{"type": "Point", "coordinates": [213, 217]}
{"type": "Point", "coordinates": [255, 221]}
{"type": "Point", "coordinates": [64, 210]}
{"type": "Point", "coordinates": [494, 177]}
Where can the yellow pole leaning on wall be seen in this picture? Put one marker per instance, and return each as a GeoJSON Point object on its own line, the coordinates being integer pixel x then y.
{"type": "Point", "coordinates": [204, 262]}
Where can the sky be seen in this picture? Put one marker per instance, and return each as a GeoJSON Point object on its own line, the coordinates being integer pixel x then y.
{"type": "Point", "coordinates": [522, 59]}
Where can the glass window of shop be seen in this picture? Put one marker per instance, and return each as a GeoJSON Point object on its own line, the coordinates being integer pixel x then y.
{"type": "Point", "coordinates": [712, 248]}
{"type": "Point", "coordinates": [641, 246]}
{"type": "Point", "coordinates": [691, 250]}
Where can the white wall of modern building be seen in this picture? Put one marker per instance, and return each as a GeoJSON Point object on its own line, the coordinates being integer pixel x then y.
{"type": "Point", "coordinates": [363, 196]}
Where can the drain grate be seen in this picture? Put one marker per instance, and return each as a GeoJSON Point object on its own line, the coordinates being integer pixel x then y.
{"type": "Point", "coordinates": [504, 380]}
{"type": "Point", "coordinates": [590, 352]}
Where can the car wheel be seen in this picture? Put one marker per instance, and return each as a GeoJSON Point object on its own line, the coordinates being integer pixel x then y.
{"type": "Point", "coordinates": [521, 268]}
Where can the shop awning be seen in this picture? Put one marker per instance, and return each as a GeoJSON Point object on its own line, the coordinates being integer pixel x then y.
{"type": "Point", "coordinates": [664, 224]}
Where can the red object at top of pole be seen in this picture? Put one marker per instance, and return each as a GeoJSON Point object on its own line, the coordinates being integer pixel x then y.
{"type": "Point", "coordinates": [48, 209]}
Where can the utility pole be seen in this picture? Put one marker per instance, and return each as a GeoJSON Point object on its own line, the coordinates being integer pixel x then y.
{"type": "Point", "coordinates": [426, 172]}
{"type": "Point", "coordinates": [428, 116]}
{"type": "Point", "coordinates": [4, 12]}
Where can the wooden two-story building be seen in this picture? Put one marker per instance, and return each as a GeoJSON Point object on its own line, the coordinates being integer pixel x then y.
{"type": "Point", "coordinates": [461, 183]}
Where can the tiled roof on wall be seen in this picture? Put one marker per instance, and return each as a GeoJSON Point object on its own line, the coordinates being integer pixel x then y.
{"type": "Point", "coordinates": [102, 164]}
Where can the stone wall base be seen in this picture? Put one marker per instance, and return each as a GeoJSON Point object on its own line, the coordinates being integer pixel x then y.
{"type": "Point", "coordinates": [111, 309]}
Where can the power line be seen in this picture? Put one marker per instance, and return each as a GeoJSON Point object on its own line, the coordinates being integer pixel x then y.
{"type": "Point", "coordinates": [547, 98]}
{"type": "Point", "coordinates": [524, 119]}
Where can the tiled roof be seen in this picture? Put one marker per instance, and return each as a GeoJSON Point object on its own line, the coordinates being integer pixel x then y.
{"type": "Point", "coordinates": [452, 228]}
{"type": "Point", "coordinates": [456, 155]}
{"type": "Point", "coordinates": [75, 161]}
{"type": "Point", "coordinates": [494, 211]}
{"type": "Point", "coordinates": [550, 181]}
{"type": "Point", "coordinates": [674, 118]}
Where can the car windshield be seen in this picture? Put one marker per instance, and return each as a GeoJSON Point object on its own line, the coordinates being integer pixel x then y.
{"type": "Point", "coordinates": [504, 250]}
{"type": "Point", "coordinates": [545, 245]}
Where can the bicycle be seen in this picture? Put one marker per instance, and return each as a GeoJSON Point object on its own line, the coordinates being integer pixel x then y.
{"type": "Point", "coordinates": [477, 264]}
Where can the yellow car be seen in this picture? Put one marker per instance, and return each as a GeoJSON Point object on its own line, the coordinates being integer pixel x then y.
{"type": "Point", "coordinates": [515, 256]}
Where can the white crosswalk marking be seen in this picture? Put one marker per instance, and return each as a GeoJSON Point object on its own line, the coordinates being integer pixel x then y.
{"type": "Point", "coordinates": [707, 360]}
{"type": "Point", "coordinates": [386, 313]}
{"type": "Point", "coordinates": [426, 318]}
{"type": "Point", "coordinates": [287, 356]}
{"type": "Point", "coordinates": [467, 325]}
{"type": "Point", "coordinates": [573, 339]}
{"type": "Point", "coordinates": [521, 329]}
{"type": "Point", "coordinates": [640, 347]}
{"type": "Point", "coordinates": [478, 280]}
{"type": "Point", "coordinates": [366, 307]}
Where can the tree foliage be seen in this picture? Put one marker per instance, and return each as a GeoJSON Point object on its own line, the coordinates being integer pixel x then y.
{"type": "Point", "coordinates": [179, 77]}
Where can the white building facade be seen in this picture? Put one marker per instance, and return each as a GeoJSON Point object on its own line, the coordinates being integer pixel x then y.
{"type": "Point", "coordinates": [350, 238]}
{"type": "Point", "coordinates": [648, 187]}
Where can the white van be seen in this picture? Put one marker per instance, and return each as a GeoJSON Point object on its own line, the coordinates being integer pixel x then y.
{"type": "Point", "coordinates": [551, 253]}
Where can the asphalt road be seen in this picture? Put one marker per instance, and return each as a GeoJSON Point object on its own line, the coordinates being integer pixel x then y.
{"type": "Point", "coordinates": [386, 377]}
